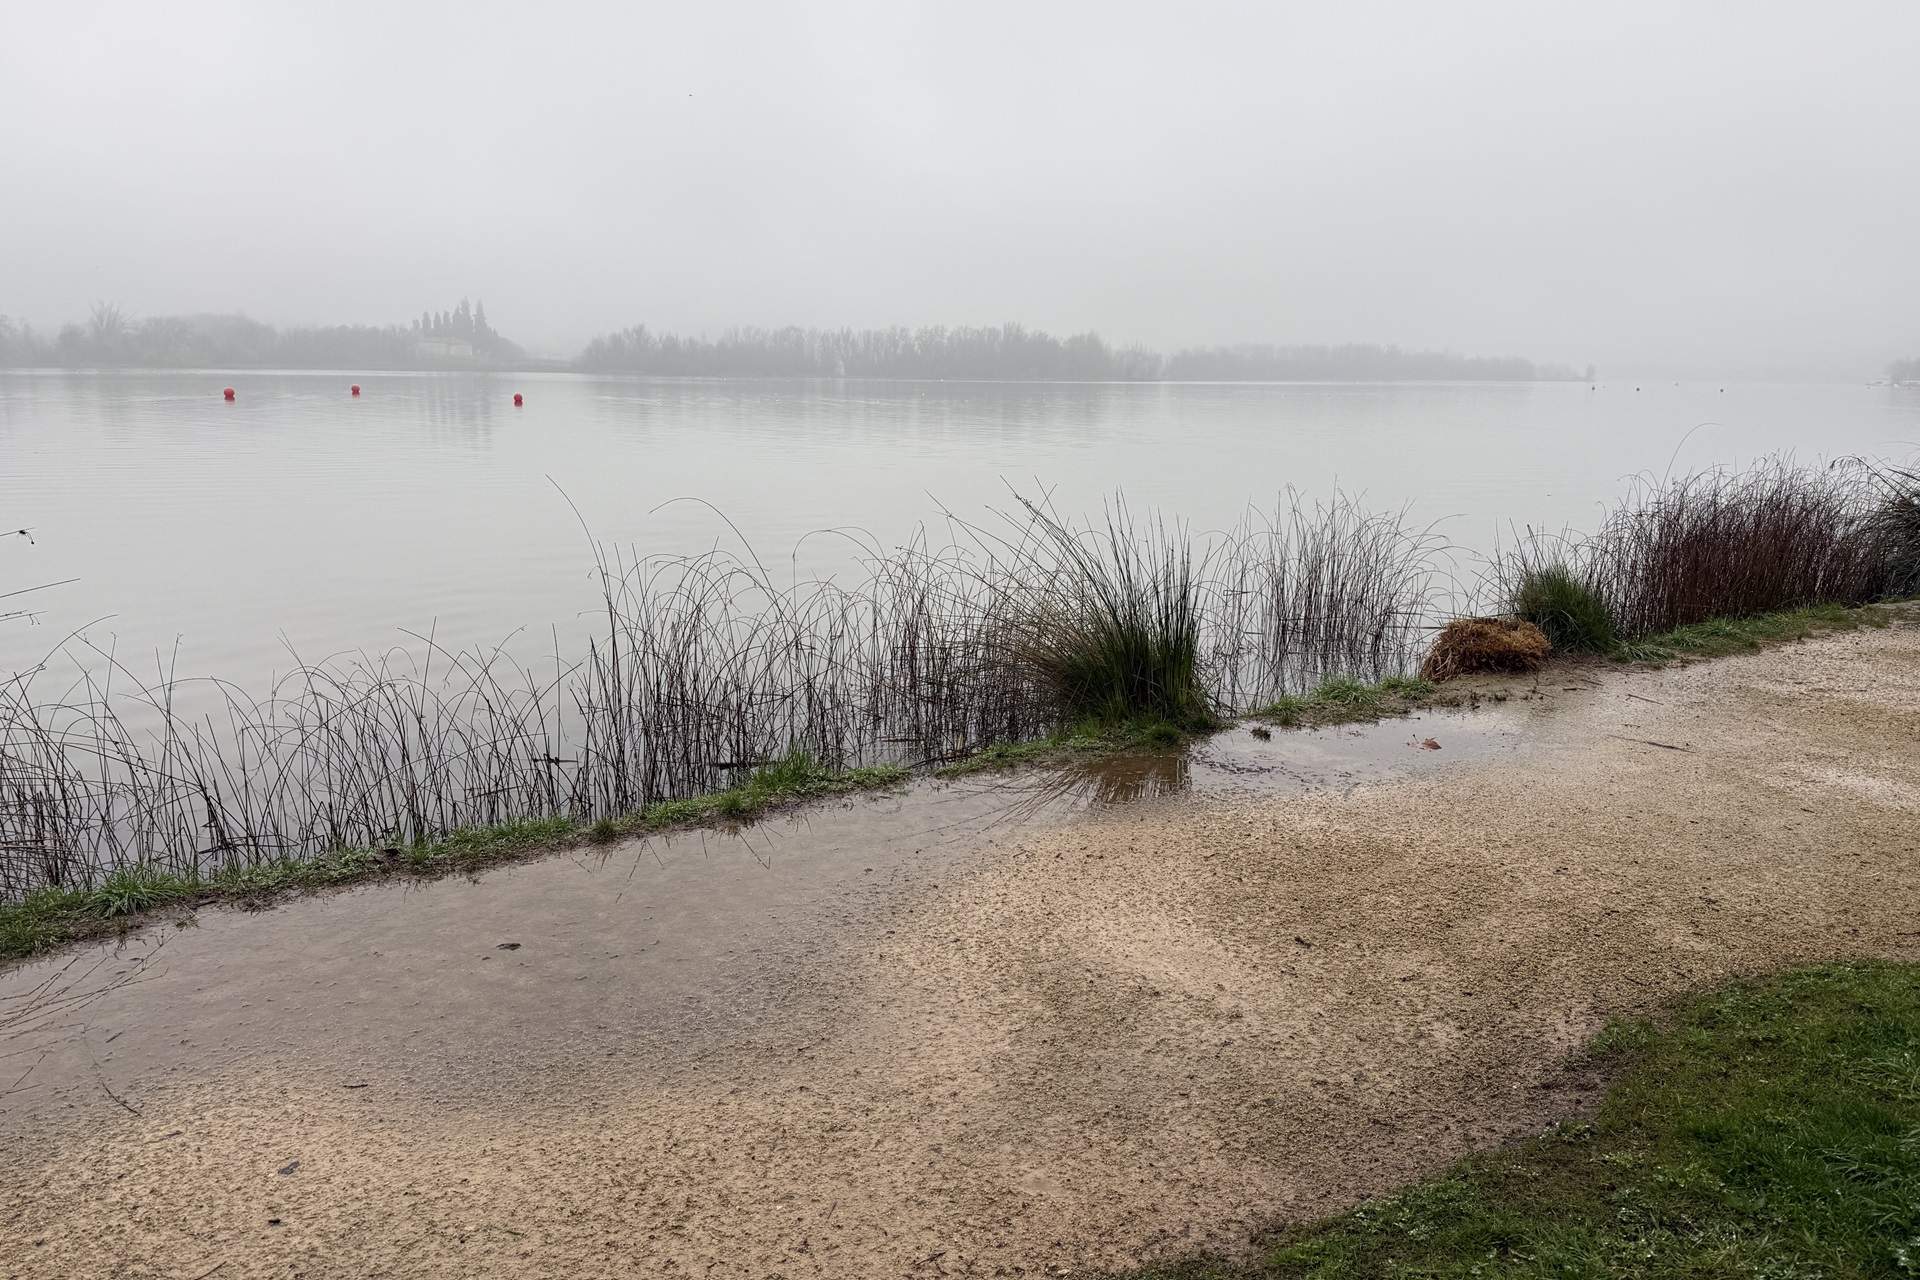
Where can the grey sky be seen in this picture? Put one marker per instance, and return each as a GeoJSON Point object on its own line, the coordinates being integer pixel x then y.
{"type": "Point", "coordinates": [1694, 185]}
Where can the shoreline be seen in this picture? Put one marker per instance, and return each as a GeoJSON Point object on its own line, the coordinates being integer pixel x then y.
{"type": "Point", "coordinates": [1139, 1034]}
{"type": "Point", "coordinates": [53, 920]}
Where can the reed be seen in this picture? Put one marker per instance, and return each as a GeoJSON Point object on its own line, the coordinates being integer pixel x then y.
{"type": "Point", "coordinates": [704, 673]}
{"type": "Point", "coordinates": [708, 677]}
{"type": "Point", "coordinates": [1896, 523]}
{"type": "Point", "coordinates": [1675, 553]}
{"type": "Point", "coordinates": [1107, 624]}
{"type": "Point", "coordinates": [1313, 592]}
{"type": "Point", "coordinates": [1730, 544]}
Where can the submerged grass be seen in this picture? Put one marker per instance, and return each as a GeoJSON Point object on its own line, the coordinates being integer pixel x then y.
{"type": "Point", "coordinates": [1769, 1129]}
{"type": "Point", "coordinates": [1345, 701]}
{"type": "Point", "coordinates": [50, 917]}
{"type": "Point", "coordinates": [1090, 737]}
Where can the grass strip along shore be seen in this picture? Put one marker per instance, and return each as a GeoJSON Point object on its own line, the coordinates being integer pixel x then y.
{"type": "Point", "coordinates": [51, 917]}
{"type": "Point", "coordinates": [1771, 1128]}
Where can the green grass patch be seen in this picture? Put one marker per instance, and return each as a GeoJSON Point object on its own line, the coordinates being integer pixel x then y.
{"type": "Point", "coordinates": [793, 778]}
{"type": "Point", "coordinates": [1345, 701]}
{"type": "Point", "coordinates": [1088, 737]}
{"type": "Point", "coordinates": [41, 920]}
{"type": "Point", "coordinates": [1770, 1129]}
{"type": "Point", "coordinates": [51, 917]}
{"type": "Point", "coordinates": [1718, 637]}
{"type": "Point", "coordinates": [131, 890]}
{"type": "Point", "coordinates": [1565, 607]}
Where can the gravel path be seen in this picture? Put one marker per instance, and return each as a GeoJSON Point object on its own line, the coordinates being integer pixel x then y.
{"type": "Point", "coordinates": [1143, 1031]}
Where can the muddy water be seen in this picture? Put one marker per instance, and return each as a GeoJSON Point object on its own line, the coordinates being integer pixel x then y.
{"type": "Point", "coordinates": [639, 959]}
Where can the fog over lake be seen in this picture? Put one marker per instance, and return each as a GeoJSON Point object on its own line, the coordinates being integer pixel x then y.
{"type": "Point", "coordinates": [1719, 189]}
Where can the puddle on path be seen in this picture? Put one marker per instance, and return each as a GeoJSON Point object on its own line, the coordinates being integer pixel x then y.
{"type": "Point", "coordinates": [653, 953]}
{"type": "Point", "coordinates": [653, 949]}
{"type": "Point", "coordinates": [1339, 757]}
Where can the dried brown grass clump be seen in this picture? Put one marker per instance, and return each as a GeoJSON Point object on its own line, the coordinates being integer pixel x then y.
{"type": "Point", "coordinates": [1468, 645]}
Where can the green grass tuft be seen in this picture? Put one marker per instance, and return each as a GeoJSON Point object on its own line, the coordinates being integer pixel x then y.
{"type": "Point", "coordinates": [1344, 691]}
{"type": "Point", "coordinates": [1288, 709]}
{"type": "Point", "coordinates": [1109, 627]}
{"type": "Point", "coordinates": [40, 921]}
{"type": "Point", "coordinates": [1121, 670]}
{"type": "Point", "coordinates": [131, 890]}
{"type": "Point", "coordinates": [1568, 609]}
{"type": "Point", "coordinates": [1343, 700]}
{"type": "Point", "coordinates": [1413, 687]}
{"type": "Point", "coordinates": [1770, 1129]}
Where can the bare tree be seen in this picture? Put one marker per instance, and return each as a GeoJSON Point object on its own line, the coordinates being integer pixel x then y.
{"type": "Point", "coordinates": [107, 323]}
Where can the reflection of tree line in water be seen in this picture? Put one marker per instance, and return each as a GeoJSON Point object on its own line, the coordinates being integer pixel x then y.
{"type": "Point", "coordinates": [703, 666]}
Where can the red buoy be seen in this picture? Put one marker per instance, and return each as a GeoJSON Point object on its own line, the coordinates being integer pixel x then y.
{"type": "Point", "coordinates": [517, 401]}
{"type": "Point", "coordinates": [356, 388]}
{"type": "Point", "coordinates": [228, 393]}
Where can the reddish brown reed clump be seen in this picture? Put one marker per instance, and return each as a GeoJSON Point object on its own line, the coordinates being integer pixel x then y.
{"type": "Point", "coordinates": [1468, 645]}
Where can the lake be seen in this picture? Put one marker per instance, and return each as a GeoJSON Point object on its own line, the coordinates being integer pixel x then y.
{"type": "Point", "coordinates": [300, 516]}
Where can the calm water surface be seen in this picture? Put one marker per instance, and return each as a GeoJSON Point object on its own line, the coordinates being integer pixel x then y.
{"type": "Point", "coordinates": [298, 516]}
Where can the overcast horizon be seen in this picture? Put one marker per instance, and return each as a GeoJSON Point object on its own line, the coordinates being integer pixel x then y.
{"type": "Point", "coordinates": [1714, 190]}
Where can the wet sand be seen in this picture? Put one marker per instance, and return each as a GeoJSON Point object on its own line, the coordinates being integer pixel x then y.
{"type": "Point", "coordinates": [1016, 1026]}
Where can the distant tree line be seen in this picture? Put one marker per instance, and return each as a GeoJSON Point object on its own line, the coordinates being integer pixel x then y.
{"type": "Point", "coordinates": [1005, 351]}
{"type": "Point", "coordinates": [1355, 362]}
{"type": "Point", "coordinates": [1013, 352]}
{"type": "Point", "coordinates": [1904, 370]}
{"type": "Point", "coordinates": [462, 337]}
{"type": "Point", "coordinates": [456, 338]}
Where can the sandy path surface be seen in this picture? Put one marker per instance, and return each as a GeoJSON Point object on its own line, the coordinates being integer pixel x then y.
{"type": "Point", "coordinates": [1142, 1031]}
